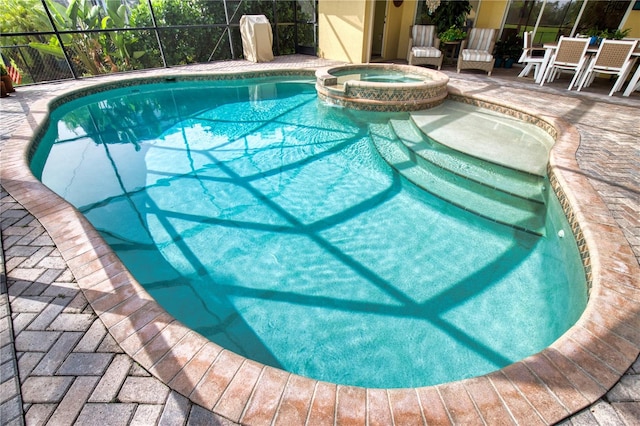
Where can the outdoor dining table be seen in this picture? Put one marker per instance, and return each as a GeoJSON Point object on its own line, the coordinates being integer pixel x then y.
{"type": "Point", "coordinates": [550, 48]}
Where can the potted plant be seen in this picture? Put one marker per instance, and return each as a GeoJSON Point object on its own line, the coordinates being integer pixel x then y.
{"type": "Point", "coordinates": [452, 34]}
{"type": "Point", "coordinates": [513, 49]}
{"type": "Point", "coordinates": [618, 34]}
{"type": "Point", "coordinates": [596, 35]}
{"type": "Point", "coordinates": [499, 54]}
{"type": "Point", "coordinates": [7, 83]}
{"type": "Point", "coordinates": [508, 51]}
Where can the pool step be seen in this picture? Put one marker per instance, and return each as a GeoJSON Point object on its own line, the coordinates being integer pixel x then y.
{"type": "Point", "coordinates": [488, 135]}
{"type": "Point", "coordinates": [486, 201]}
{"type": "Point", "coordinates": [514, 182]}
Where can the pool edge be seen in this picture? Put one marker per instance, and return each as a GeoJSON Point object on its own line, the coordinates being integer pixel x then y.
{"type": "Point", "coordinates": [559, 381]}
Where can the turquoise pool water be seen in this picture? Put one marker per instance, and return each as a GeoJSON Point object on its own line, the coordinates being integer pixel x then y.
{"type": "Point", "coordinates": [267, 222]}
{"type": "Point", "coordinates": [377, 75]}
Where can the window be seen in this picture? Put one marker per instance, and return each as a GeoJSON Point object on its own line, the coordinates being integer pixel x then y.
{"type": "Point", "coordinates": [558, 17]}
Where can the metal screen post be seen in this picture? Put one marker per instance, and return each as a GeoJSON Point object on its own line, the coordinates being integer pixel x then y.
{"type": "Point", "coordinates": [276, 43]}
{"type": "Point", "coordinates": [55, 30]}
{"type": "Point", "coordinates": [155, 26]}
{"type": "Point", "coordinates": [226, 18]}
{"type": "Point", "coordinates": [26, 64]}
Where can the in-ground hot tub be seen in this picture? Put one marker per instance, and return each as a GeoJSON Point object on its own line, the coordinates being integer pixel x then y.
{"type": "Point", "coordinates": [382, 87]}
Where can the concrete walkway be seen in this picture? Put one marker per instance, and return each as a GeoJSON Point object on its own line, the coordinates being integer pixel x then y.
{"type": "Point", "coordinates": [59, 365]}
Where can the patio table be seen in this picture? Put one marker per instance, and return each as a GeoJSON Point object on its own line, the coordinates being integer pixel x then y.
{"type": "Point", "coordinates": [550, 48]}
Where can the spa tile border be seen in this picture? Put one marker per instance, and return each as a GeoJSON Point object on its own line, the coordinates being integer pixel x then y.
{"type": "Point", "coordinates": [544, 388]}
{"type": "Point", "coordinates": [379, 96]}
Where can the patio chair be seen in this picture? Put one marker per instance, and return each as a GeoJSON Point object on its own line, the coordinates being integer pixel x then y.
{"type": "Point", "coordinates": [634, 83]}
{"type": "Point", "coordinates": [614, 58]}
{"type": "Point", "coordinates": [424, 46]}
{"type": "Point", "coordinates": [528, 58]}
{"type": "Point", "coordinates": [476, 52]}
{"type": "Point", "coordinates": [571, 55]}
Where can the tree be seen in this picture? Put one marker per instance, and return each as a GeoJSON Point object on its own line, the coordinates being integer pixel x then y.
{"type": "Point", "coordinates": [180, 45]}
{"type": "Point", "coordinates": [23, 16]}
{"type": "Point", "coordinates": [92, 52]}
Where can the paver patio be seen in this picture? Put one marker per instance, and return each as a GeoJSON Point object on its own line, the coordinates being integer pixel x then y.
{"type": "Point", "coordinates": [60, 365]}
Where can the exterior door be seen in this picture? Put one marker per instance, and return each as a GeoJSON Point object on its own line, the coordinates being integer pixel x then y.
{"type": "Point", "coordinates": [377, 36]}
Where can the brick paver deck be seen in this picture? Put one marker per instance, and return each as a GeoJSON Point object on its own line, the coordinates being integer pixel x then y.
{"type": "Point", "coordinates": [61, 363]}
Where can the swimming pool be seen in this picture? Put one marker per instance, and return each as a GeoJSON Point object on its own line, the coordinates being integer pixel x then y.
{"type": "Point", "coordinates": [272, 146]}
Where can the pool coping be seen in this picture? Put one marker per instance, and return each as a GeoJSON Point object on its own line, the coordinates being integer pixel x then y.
{"type": "Point", "coordinates": [569, 375]}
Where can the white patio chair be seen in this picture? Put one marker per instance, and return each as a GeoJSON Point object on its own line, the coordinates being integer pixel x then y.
{"type": "Point", "coordinates": [476, 52]}
{"type": "Point", "coordinates": [528, 58]}
{"type": "Point", "coordinates": [424, 46]}
{"type": "Point", "coordinates": [613, 58]}
{"type": "Point", "coordinates": [634, 83]}
{"type": "Point", "coordinates": [571, 55]}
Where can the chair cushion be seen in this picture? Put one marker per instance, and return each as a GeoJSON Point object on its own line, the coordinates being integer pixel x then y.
{"type": "Point", "coordinates": [426, 52]}
{"type": "Point", "coordinates": [422, 35]}
{"type": "Point", "coordinates": [476, 55]}
{"type": "Point", "coordinates": [480, 38]}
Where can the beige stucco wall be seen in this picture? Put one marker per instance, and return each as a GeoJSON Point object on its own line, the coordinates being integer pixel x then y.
{"type": "Point", "coordinates": [394, 30]}
{"type": "Point", "coordinates": [344, 29]}
{"type": "Point", "coordinates": [404, 27]}
{"type": "Point", "coordinates": [341, 29]}
{"type": "Point", "coordinates": [491, 13]}
{"type": "Point", "coordinates": [633, 22]}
